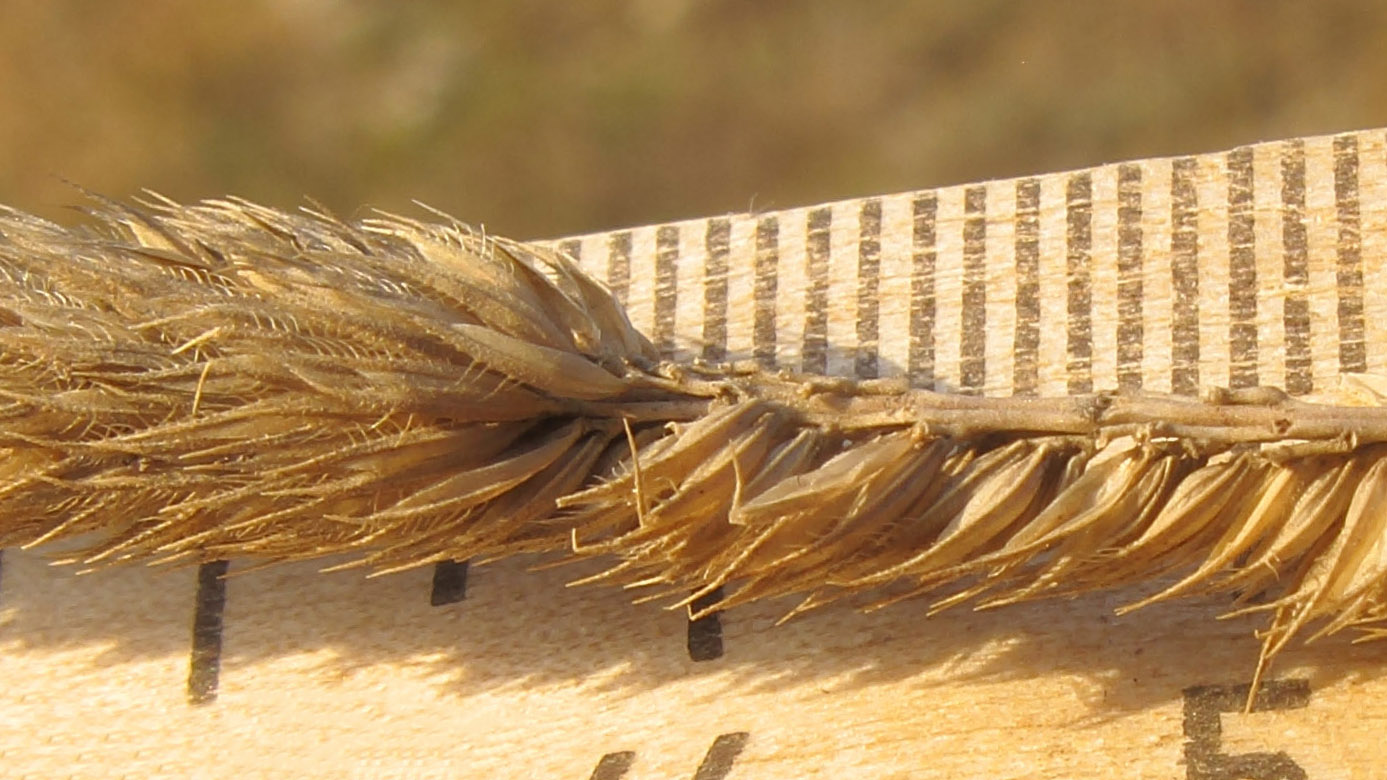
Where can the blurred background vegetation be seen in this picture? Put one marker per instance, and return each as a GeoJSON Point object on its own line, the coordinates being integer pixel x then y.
{"type": "Point", "coordinates": [546, 118]}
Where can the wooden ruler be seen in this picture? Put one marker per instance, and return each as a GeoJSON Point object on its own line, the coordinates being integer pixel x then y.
{"type": "Point", "coordinates": [1263, 264]}
{"type": "Point", "coordinates": [1258, 265]}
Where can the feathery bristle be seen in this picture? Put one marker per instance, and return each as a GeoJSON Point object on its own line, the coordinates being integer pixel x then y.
{"type": "Point", "coordinates": [221, 380]}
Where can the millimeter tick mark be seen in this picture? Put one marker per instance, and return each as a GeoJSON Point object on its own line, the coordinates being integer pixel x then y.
{"type": "Point", "coordinates": [204, 666]}
{"type": "Point", "coordinates": [722, 755]}
{"type": "Point", "coordinates": [613, 766]}
{"type": "Point", "coordinates": [716, 765]}
{"type": "Point", "coordinates": [705, 633]}
{"type": "Point", "coordinates": [449, 583]}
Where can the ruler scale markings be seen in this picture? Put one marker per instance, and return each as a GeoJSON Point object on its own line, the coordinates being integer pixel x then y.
{"type": "Point", "coordinates": [924, 210]}
{"type": "Point", "coordinates": [1353, 356]}
{"type": "Point", "coordinates": [1203, 729]}
{"type": "Point", "coordinates": [718, 761]}
{"type": "Point", "coordinates": [767, 268]}
{"type": "Point", "coordinates": [1078, 202]}
{"type": "Point", "coordinates": [1184, 270]}
{"type": "Point", "coordinates": [1026, 379]}
{"type": "Point", "coordinates": [449, 583]}
{"type": "Point", "coordinates": [704, 638]}
{"type": "Point", "coordinates": [865, 362]}
{"type": "Point", "coordinates": [1242, 271]}
{"type": "Point", "coordinates": [666, 288]}
{"type": "Point", "coordinates": [717, 239]}
{"type": "Point", "coordinates": [1296, 250]}
{"type": "Point", "coordinates": [204, 662]}
{"type": "Point", "coordinates": [619, 265]}
{"type": "Point", "coordinates": [613, 766]}
{"type": "Point", "coordinates": [1246, 334]}
{"type": "Point", "coordinates": [972, 369]}
{"type": "Point", "coordinates": [814, 354]}
{"type": "Point", "coordinates": [1130, 332]}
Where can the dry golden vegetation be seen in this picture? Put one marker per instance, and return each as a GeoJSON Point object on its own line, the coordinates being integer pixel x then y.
{"type": "Point", "coordinates": [226, 380]}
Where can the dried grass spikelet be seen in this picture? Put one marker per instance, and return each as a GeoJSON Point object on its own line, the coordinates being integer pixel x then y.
{"type": "Point", "coordinates": [221, 380]}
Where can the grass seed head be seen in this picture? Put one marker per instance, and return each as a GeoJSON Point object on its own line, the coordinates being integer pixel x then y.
{"type": "Point", "coordinates": [195, 382]}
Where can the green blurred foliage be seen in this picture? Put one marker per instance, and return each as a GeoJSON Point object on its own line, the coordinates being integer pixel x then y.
{"type": "Point", "coordinates": [546, 118]}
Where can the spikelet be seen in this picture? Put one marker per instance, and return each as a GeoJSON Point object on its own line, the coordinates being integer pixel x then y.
{"type": "Point", "coordinates": [222, 380]}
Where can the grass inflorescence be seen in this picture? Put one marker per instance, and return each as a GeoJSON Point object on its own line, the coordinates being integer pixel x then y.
{"type": "Point", "coordinates": [225, 380]}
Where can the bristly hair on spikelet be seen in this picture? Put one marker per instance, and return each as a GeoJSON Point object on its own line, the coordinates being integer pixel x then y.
{"type": "Point", "coordinates": [224, 380]}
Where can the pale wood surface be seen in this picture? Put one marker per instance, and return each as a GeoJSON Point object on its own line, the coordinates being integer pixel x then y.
{"type": "Point", "coordinates": [334, 675]}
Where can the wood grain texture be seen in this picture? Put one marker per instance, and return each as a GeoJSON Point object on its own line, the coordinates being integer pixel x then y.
{"type": "Point", "coordinates": [334, 675]}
